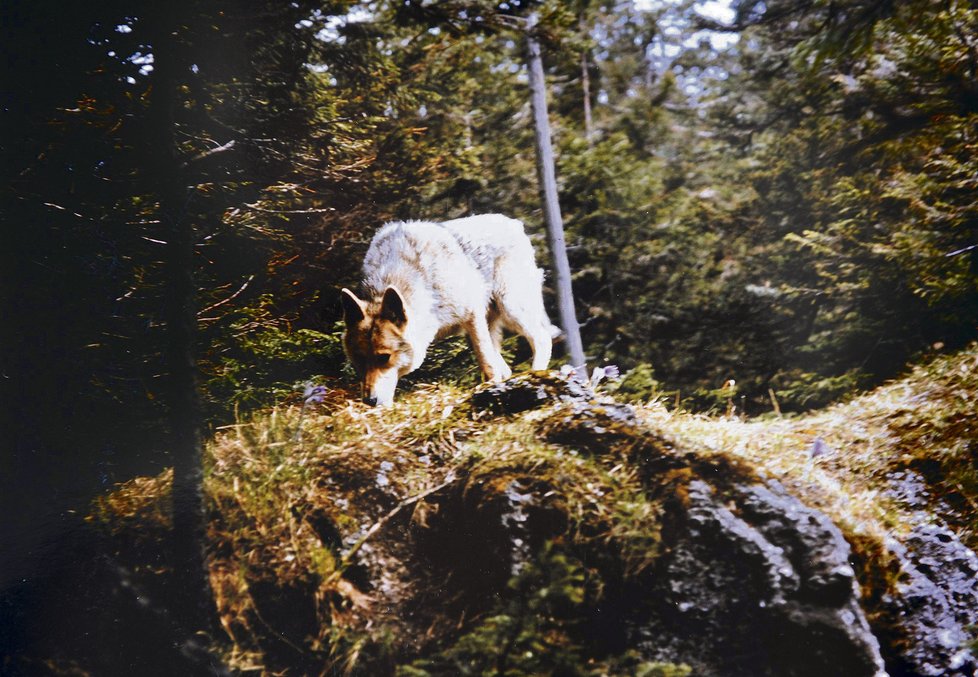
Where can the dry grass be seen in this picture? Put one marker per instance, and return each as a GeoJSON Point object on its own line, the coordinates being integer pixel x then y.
{"type": "Point", "coordinates": [928, 416]}
{"type": "Point", "coordinates": [139, 502]}
{"type": "Point", "coordinates": [837, 483]}
{"type": "Point", "coordinates": [289, 508]}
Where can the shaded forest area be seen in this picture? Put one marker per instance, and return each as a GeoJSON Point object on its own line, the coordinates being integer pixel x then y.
{"type": "Point", "coordinates": [792, 210]}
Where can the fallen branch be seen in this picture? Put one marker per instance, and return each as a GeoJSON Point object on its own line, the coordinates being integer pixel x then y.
{"type": "Point", "coordinates": [207, 153]}
{"type": "Point", "coordinates": [323, 210]}
{"type": "Point", "coordinates": [230, 298]}
{"type": "Point", "coordinates": [383, 521]}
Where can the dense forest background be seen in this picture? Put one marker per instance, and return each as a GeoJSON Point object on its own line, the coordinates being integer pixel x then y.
{"type": "Point", "coordinates": [783, 197]}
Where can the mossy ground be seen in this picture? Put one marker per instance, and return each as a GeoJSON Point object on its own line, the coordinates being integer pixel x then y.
{"type": "Point", "coordinates": [345, 539]}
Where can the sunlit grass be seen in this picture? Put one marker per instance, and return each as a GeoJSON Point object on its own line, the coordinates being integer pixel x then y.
{"type": "Point", "coordinates": [297, 508]}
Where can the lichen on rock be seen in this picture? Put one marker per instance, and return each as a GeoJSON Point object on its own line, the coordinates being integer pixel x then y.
{"type": "Point", "coordinates": [755, 583]}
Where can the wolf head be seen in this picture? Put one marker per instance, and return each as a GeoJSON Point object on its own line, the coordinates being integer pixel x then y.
{"type": "Point", "coordinates": [376, 344]}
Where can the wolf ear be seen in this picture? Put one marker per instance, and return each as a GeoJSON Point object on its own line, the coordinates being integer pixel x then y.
{"type": "Point", "coordinates": [392, 307]}
{"type": "Point", "coordinates": [352, 307]}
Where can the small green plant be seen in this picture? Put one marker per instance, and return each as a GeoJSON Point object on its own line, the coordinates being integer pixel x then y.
{"type": "Point", "coordinates": [263, 363]}
{"type": "Point", "coordinates": [637, 385]}
{"type": "Point", "coordinates": [800, 391]}
{"type": "Point", "coordinates": [531, 632]}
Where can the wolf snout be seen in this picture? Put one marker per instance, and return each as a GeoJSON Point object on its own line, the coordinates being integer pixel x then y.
{"type": "Point", "coordinates": [372, 401]}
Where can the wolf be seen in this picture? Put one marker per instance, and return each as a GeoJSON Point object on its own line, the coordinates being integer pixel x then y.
{"type": "Point", "coordinates": [424, 280]}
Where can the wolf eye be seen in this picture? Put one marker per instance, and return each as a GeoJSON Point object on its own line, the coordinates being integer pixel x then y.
{"type": "Point", "coordinates": [383, 359]}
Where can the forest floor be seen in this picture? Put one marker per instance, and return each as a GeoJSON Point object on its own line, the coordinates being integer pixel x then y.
{"type": "Point", "coordinates": [454, 532]}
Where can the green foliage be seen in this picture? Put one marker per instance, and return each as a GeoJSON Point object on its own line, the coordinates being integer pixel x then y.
{"type": "Point", "coordinates": [862, 183]}
{"type": "Point", "coordinates": [264, 361]}
{"type": "Point", "coordinates": [805, 390]}
{"type": "Point", "coordinates": [637, 385]}
{"type": "Point", "coordinates": [794, 211]}
{"type": "Point", "coordinates": [631, 664]}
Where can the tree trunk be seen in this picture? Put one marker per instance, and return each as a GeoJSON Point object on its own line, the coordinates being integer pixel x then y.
{"type": "Point", "coordinates": [192, 599]}
{"type": "Point", "coordinates": [586, 87]}
{"type": "Point", "coordinates": [551, 207]}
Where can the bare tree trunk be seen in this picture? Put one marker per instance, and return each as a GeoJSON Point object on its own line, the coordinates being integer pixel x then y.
{"type": "Point", "coordinates": [551, 207]}
{"type": "Point", "coordinates": [192, 599]}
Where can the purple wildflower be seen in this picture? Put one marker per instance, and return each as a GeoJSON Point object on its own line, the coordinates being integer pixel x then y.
{"type": "Point", "coordinates": [609, 372]}
{"type": "Point", "coordinates": [313, 394]}
{"type": "Point", "coordinates": [819, 448]}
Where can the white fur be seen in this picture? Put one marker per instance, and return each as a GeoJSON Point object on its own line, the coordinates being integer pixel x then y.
{"type": "Point", "coordinates": [476, 275]}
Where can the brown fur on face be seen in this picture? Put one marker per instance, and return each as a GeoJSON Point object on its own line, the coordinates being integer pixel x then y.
{"type": "Point", "coordinates": [374, 342]}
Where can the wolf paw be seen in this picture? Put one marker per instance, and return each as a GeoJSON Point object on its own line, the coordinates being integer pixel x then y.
{"type": "Point", "coordinates": [498, 373]}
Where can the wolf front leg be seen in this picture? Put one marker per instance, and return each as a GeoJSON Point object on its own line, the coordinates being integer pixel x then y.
{"type": "Point", "coordinates": [494, 368]}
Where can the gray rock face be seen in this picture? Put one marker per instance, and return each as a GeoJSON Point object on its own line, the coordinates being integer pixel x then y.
{"type": "Point", "coordinates": [528, 391]}
{"type": "Point", "coordinates": [931, 617]}
{"type": "Point", "coordinates": [935, 610]}
{"type": "Point", "coordinates": [812, 543]}
{"type": "Point", "coordinates": [755, 583]}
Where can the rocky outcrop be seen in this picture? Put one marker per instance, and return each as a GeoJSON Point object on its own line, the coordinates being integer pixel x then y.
{"type": "Point", "coordinates": [752, 581]}
{"type": "Point", "coordinates": [929, 617]}
{"type": "Point", "coordinates": [536, 528]}
{"type": "Point", "coordinates": [933, 612]}
{"type": "Point", "coordinates": [755, 583]}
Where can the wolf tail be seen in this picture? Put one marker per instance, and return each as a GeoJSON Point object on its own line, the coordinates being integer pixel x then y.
{"type": "Point", "coordinates": [556, 333]}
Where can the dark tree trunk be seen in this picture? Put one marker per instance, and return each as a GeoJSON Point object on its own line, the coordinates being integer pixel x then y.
{"type": "Point", "coordinates": [192, 598]}
{"type": "Point", "coordinates": [551, 207]}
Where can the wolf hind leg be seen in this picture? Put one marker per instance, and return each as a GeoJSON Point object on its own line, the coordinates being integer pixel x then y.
{"type": "Point", "coordinates": [538, 335]}
{"type": "Point", "coordinates": [524, 313]}
{"type": "Point", "coordinates": [542, 343]}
